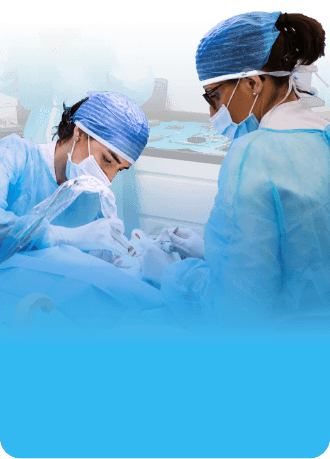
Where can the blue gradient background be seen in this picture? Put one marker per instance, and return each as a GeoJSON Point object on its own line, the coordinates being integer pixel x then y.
{"type": "Point", "coordinates": [243, 397]}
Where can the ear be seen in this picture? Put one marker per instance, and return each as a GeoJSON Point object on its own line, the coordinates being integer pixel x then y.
{"type": "Point", "coordinates": [256, 84]}
{"type": "Point", "coordinates": [76, 133]}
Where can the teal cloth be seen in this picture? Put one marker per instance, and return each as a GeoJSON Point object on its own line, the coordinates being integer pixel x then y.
{"type": "Point", "coordinates": [189, 128]}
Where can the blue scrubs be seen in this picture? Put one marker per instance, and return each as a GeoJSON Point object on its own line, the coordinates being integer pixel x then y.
{"type": "Point", "coordinates": [267, 241]}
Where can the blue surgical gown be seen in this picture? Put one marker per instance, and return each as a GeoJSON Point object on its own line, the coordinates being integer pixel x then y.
{"type": "Point", "coordinates": [25, 180]}
{"type": "Point", "coordinates": [89, 294]}
{"type": "Point", "coordinates": [267, 240]}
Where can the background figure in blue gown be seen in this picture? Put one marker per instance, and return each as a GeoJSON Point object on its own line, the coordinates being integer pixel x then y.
{"type": "Point", "coordinates": [44, 66]}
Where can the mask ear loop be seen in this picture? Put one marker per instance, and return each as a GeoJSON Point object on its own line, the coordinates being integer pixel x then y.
{"type": "Point", "coordinates": [255, 100]}
{"type": "Point", "coordinates": [286, 96]}
{"type": "Point", "coordinates": [288, 93]}
{"type": "Point", "coordinates": [233, 93]}
{"type": "Point", "coordinates": [74, 143]}
{"type": "Point", "coordinates": [89, 148]}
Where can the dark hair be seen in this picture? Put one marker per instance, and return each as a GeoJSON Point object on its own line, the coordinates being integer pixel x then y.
{"type": "Point", "coordinates": [301, 40]}
{"type": "Point", "coordinates": [66, 127]}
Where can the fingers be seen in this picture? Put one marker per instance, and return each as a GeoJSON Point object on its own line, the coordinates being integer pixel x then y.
{"type": "Point", "coordinates": [117, 262]}
{"type": "Point", "coordinates": [165, 233]}
{"type": "Point", "coordinates": [167, 246]}
{"type": "Point", "coordinates": [180, 250]}
{"type": "Point", "coordinates": [175, 239]}
{"type": "Point", "coordinates": [133, 252]}
{"type": "Point", "coordinates": [152, 251]}
{"type": "Point", "coordinates": [119, 237]}
{"type": "Point", "coordinates": [184, 232]}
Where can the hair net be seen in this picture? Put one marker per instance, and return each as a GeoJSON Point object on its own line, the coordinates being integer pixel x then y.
{"type": "Point", "coordinates": [237, 44]}
{"type": "Point", "coordinates": [115, 121]}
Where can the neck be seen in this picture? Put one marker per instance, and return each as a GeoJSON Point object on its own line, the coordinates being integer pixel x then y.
{"type": "Point", "coordinates": [266, 104]}
{"type": "Point", "coordinates": [61, 159]}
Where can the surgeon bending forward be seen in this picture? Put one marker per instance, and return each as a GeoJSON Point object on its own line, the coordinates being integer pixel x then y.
{"type": "Point", "coordinates": [99, 136]}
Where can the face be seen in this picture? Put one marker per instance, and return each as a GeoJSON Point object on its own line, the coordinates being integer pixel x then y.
{"type": "Point", "coordinates": [241, 102]}
{"type": "Point", "coordinates": [215, 95]}
{"type": "Point", "coordinates": [110, 162]}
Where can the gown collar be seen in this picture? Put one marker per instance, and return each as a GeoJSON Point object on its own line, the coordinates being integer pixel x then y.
{"type": "Point", "coordinates": [293, 115]}
{"type": "Point", "coordinates": [48, 154]}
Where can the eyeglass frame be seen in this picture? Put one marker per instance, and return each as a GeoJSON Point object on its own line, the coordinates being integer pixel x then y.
{"type": "Point", "coordinates": [207, 94]}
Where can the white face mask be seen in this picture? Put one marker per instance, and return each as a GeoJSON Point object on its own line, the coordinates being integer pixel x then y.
{"type": "Point", "coordinates": [224, 125]}
{"type": "Point", "coordinates": [88, 166]}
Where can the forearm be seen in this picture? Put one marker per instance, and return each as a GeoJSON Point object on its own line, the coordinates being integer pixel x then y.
{"type": "Point", "coordinates": [21, 233]}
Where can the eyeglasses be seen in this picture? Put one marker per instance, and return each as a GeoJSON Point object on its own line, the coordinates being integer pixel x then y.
{"type": "Point", "coordinates": [207, 95]}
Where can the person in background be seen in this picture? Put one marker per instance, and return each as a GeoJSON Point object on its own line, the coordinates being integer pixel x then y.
{"type": "Point", "coordinates": [49, 68]}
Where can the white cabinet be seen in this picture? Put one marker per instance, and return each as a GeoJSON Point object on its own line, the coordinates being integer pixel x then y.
{"type": "Point", "coordinates": [175, 193]}
{"type": "Point", "coordinates": [8, 110]}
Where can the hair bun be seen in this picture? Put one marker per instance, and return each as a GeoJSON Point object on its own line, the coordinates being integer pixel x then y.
{"type": "Point", "coordinates": [302, 39]}
{"type": "Point", "coordinates": [66, 116]}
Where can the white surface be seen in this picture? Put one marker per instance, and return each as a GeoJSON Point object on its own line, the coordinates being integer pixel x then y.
{"type": "Point", "coordinates": [175, 167]}
{"type": "Point", "coordinates": [175, 193]}
{"type": "Point", "coordinates": [8, 109]}
{"type": "Point", "coordinates": [324, 112]}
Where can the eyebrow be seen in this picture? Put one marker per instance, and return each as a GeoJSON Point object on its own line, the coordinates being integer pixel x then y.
{"type": "Point", "coordinates": [115, 157]}
{"type": "Point", "coordinates": [209, 91]}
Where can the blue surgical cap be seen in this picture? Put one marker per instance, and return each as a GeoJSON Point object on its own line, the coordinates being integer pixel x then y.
{"type": "Point", "coordinates": [115, 121]}
{"type": "Point", "coordinates": [238, 44]}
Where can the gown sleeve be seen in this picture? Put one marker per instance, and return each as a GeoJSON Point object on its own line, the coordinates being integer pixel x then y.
{"type": "Point", "coordinates": [239, 282]}
{"type": "Point", "coordinates": [13, 161]}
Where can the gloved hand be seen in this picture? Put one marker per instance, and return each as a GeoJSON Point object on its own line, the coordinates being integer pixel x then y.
{"type": "Point", "coordinates": [127, 262]}
{"type": "Point", "coordinates": [187, 243]}
{"type": "Point", "coordinates": [93, 236]}
{"type": "Point", "coordinates": [137, 245]}
{"type": "Point", "coordinates": [154, 262]}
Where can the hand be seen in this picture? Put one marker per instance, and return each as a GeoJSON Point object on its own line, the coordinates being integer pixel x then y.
{"type": "Point", "coordinates": [97, 235]}
{"type": "Point", "coordinates": [154, 262]}
{"type": "Point", "coordinates": [187, 243]}
{"type": "Point", "coordinates": [127, 262]}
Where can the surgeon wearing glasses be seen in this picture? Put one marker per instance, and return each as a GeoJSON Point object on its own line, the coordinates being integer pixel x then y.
{"type": "Point", "coordinates": [266, 255]}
